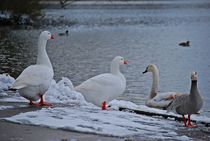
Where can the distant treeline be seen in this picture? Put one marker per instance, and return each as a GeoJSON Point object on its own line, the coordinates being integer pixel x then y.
{"type": "Point", "coordinates": [17, 8]}
{"type": "Point", "coordinates": [30, 7]}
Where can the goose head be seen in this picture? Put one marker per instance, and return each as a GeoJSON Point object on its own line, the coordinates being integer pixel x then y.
{"type": "Point", "coordinates": [46, 35]}
{"type": "Point", "coordinates": [150, 68]}
{"type": "Point", "coordinates": [119, 60]}
{"type": "Point", "coordinates": [194, 76]}
{"type": "Point", "coordinates": [116, 62]}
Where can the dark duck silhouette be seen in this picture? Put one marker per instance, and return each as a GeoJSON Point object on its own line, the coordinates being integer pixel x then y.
{"type": "Point", "coordinates": [185, 43]}
{"type": "Point", "coordinates": [66, 33]}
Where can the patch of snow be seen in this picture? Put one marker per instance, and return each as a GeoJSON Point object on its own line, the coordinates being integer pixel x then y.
{"type": "Point", "coordinates": [25, 19]}
{"type": "Point", "coordinates": [68, 83]}
{"type": "Point", "coordinates": [116, 104]}
{"type": "Point", "coordinates": [94, 120]}
{"type": "Point", "coordinates": [6, 107]}
{"type": "Point", "coordinates": [183, 138]}
{"type": "Point", "coordinates": [5, 15]}
{"type": "Point", "coordinates": [15, 98]}
{"type": "Point", "coordinates": [5, 82]}
{"type": "Point", "coordinates": [3, 94]}
{"type": "Point", "coordinates": [63, 92]}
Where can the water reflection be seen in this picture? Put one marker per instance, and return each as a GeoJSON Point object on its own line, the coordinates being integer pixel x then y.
{"type": "Point", "coordinates": [16, 52]}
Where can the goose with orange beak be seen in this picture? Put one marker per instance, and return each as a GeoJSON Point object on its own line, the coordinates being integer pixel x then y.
{"type": "Point", "coordinates": [35, 80]}
{"type": "Point", "coordinates": [105, 87]}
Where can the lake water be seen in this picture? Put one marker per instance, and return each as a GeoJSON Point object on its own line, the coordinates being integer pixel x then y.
{"type": "Point", "coordinates": [142, 35]}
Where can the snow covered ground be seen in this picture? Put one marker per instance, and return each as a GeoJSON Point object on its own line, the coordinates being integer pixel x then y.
{"type": "Point", "coordinates": [5, 82]}
{"type": "Point", "coordinates": [93, 120]}
{"type": "Point", "coordinates": [6, 107]}
{"type": "Point", "coordinates": [73, 113]}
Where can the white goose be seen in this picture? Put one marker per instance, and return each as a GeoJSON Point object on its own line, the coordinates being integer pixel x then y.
{"type": "Point", "coordinates": [35, 80]}
{"type": "Point", "coordinates": [155, 99]}
{"type": "Point", "coordinates": [104, 87]}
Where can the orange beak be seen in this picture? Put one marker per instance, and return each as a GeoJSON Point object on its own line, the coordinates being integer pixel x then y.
{"type": "Point", "coordinates": [52, 37]}
{"type": "Point", "coordinates": [125, 62]}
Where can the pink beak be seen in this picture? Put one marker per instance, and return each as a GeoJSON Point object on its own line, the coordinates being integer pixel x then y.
{"type": "Point", "coordinates": [126, 62]}
{"type": "Point", "coordinates": [52, 37]}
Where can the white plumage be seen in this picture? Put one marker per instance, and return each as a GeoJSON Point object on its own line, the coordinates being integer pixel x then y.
{"type": "Point", "coordinates": [35, 80]}
{"type": "Point", "coordinates": [104, 87]}
{"type": "Point", "coordinates": [155, 99]}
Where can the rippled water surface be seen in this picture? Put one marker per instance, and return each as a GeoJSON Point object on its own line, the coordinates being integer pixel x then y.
{"type": "Point", "coordinates": [142, 35]}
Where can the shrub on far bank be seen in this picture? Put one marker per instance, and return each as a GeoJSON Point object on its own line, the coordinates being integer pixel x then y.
{"type": "Point", "coordinates": [19, 12]}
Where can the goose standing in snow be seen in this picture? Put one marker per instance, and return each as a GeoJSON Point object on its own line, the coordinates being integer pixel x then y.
{"type": "Point", "coordinates": [188, 104]}
{"type": "Point", "coordinates": [155, 99]}
{"type": "Point", "coordinates": [35, 80]}
{"type": "Point", "coordinates": [104, 87]}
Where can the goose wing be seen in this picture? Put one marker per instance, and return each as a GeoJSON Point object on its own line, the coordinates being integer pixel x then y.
{"type": "Point", "coordinates": [177, 102]}
{"type": "Point", "coordinates": [33, 76]}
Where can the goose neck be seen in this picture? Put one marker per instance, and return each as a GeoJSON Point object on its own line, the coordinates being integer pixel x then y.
{"type": "Point", "coordinates": [42, 58]}
{"type": "Point", "coordinates": [155, 82]}
{"type": "Point", "coordinates": [194, 89]}
{"type": "Point", "coordinates": [115, 68]}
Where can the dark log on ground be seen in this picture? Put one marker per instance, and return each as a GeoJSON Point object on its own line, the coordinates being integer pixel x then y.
{"type": "Point", "coordinates": [176, 118]}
